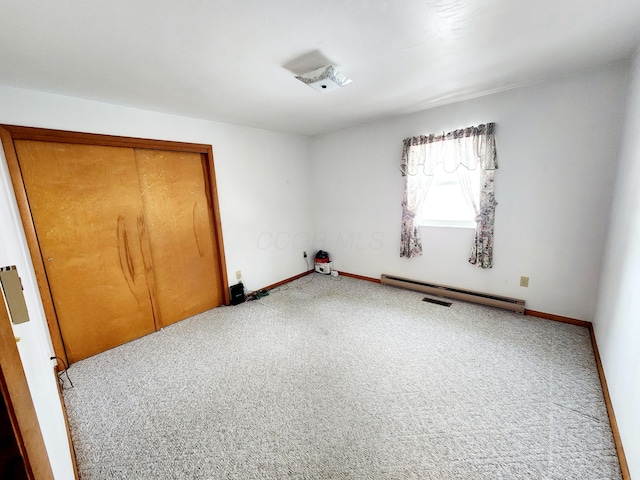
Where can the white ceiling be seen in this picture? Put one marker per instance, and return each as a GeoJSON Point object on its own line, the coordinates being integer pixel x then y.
{"type": "Point", "coordinates": [234, 60]}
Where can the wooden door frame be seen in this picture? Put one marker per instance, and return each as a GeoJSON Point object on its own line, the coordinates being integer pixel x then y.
{"type": "Point", "coordinates": [17, 396]}
{"type": "Point", "coordinates": [10, 133]}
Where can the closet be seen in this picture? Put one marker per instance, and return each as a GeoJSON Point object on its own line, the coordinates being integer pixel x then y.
{"type": "Point", "coordinates": [124, 233]}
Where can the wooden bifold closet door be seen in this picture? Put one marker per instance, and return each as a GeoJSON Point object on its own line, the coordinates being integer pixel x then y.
{"type": "Point", "coordinates": [126, 237]}
{"type": "Point", "coordinates": [180, 234]}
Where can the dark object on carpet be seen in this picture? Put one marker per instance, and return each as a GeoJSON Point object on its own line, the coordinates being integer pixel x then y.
{"type": "Point", "coordinates": [436, 301]}
{"type": "Point", "coordinates": [258, 295]}
{"type": "Point", "coordinates": [237, 294]}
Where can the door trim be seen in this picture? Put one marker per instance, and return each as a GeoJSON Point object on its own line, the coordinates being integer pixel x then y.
{"type": "Point", "coordinates": [17, 396]}
{"type": "Point", "coordinates": [10, 133]}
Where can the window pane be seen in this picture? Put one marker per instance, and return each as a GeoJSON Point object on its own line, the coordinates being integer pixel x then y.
{"type": "Point", "coordinates": [445, 201]}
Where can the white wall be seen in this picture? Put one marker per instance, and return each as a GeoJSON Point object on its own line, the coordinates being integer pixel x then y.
{"type": "Point", "coordinates": [617, 322]}
{"type": "Point", "coordinates": [263, 191]}
{"type": "Point", "coordinates": [557, 147]}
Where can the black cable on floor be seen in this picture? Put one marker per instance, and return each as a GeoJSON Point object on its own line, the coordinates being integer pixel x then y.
{"type": "Point", "coordinates": [66, 372]}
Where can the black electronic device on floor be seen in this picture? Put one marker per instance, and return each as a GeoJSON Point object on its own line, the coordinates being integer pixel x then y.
{"type": "Point", "coordinates": [237, 294]}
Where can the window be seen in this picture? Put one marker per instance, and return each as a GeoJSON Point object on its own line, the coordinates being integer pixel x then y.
{"type": "Point", "coordinates": [465, 152]}
{"type": "Point", "coordinates": [445, 204]}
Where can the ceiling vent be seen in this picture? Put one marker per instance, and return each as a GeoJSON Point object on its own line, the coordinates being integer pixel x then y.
{"type": "Point", "coordinates": [324, 79]}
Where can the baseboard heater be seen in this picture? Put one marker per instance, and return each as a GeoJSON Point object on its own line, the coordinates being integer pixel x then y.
{"type": "Point", "coordinates": [456, 293]}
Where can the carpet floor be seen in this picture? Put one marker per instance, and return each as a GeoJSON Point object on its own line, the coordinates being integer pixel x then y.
{"type": "Point", "coordinates": [337, 378]}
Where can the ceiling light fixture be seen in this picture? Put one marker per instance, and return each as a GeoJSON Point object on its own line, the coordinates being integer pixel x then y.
{"type": "Point", "coordinates": [324, 79]}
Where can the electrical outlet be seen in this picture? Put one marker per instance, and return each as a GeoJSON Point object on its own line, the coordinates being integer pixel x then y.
{"type": "Point", "coordinates": [304, 254]}
{"type": "Point", "coordinates": [524, 281]}
{"type": "Point", "coordinates": [238, 275]}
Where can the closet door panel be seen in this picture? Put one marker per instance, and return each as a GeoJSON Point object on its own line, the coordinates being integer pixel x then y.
{"type": "Point", "coordinates": [86, 207]}
{"type": "Point", "coordinates": [180, 232]}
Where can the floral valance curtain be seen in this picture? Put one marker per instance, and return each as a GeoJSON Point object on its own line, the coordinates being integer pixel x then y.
{"type": "Point", "coordinates": [472, 147]}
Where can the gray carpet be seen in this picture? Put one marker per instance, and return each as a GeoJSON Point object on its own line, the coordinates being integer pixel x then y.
{"type": "Point", "coordinates": [336, 378]}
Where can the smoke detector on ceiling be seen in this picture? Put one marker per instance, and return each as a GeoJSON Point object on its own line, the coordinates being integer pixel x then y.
{"type": "Point", "coordinates": [324, 79]}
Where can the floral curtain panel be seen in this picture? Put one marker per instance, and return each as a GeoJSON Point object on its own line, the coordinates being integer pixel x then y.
{"type": "Point", "coordinates": [471, 148]}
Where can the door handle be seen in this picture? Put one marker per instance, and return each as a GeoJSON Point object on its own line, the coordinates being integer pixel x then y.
{"type": "Point", "coordinates": [126, 262]}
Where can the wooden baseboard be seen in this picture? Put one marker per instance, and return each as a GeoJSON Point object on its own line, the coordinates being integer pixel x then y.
{"type": "Point", "coordinates": [624, 466]}
{"type": "Point", "coordinates": [285, 281]}
{"type": "Point", "coordinates": [360, 277]}
{"type": "Point", "coordinates": [304, 274]}
{"type": "Point", "coordinates": [557, 318]}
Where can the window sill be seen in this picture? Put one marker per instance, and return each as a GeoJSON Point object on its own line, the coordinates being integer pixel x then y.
{"type": "Point", "coordinates": [445, 224]}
